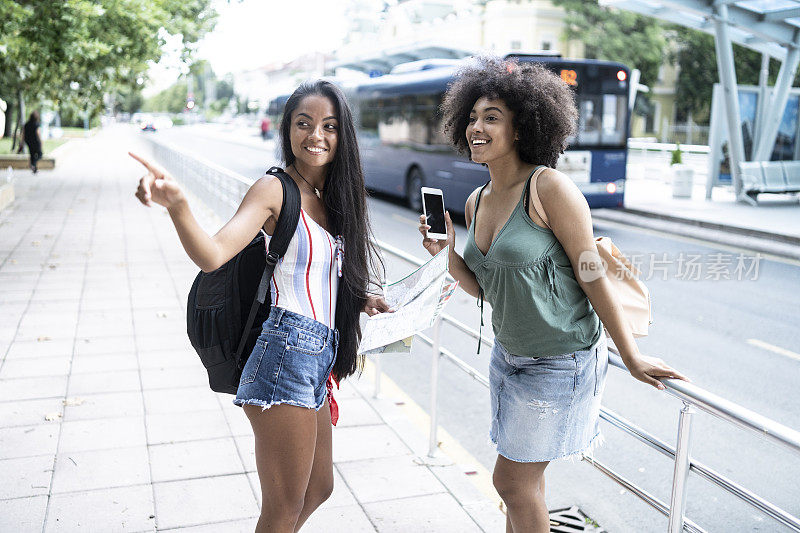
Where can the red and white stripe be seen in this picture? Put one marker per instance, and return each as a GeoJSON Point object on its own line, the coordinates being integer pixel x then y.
{"type": "Point", "coordinates": [306, 278]}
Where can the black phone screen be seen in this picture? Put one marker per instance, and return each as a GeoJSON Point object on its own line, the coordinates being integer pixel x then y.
{"type": "Point", "coordinates": [434, 213]}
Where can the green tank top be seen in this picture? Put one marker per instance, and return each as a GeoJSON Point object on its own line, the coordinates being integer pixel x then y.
{"type": "Point", "coordinates": [538, 308]}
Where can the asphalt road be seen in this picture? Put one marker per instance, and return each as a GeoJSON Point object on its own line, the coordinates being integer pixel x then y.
{"type": "Point", "coordinates": [737, 338]}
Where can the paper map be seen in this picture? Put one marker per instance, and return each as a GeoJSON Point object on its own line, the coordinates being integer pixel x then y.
{"type": "Point", "coordinates": [417, 300]}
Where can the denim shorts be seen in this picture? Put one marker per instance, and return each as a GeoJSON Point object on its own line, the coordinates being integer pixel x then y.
{"type": "Point", "coordinates": [546, 408]}
{"type": "Point", "coordinates": [290, 363]}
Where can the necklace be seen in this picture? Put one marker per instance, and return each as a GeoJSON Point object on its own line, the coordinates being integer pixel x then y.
{"type": "Point", "coordinates": [316, 191]}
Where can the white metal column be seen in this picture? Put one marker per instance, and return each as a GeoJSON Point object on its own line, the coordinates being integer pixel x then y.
{"type": "Point", "coordinates": [727, 76]}
{"type": "Point", "coordinates": [775, 106]}
{"type": "Point", "coordinates": [763, 97]}
{"type": "Point", "coordinates": [715, 136]}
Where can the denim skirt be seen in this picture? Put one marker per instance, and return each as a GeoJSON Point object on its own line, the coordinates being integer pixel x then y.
{"type": "Point", "coordinates": [546, 408]}
{"type": "Point", "coordinates": [290, 362]}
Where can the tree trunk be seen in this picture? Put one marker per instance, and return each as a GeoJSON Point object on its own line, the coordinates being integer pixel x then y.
{"type": "Point", "coordinates": [20, 121]}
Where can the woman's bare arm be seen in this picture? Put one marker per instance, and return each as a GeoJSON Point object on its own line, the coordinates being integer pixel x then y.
{"type": "Point", "coordinates": [571, 221]}
{"type": "Point", "coordinates": [262, 202]}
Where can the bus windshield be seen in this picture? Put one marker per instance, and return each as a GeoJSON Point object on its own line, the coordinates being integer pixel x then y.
{"type": "Point", "coordinates": [403, 144]}
{"type": "Point", "coordinates": [602, 120]}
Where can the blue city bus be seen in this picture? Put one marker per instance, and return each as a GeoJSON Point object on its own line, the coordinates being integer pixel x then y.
{"type": "Point", "coordinates": [403, 146]}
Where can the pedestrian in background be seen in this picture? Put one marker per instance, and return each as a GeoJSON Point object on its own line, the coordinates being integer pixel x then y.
{"type": "Point", "coordinates": [317, 292]}
{"type": "Point", "coordinates": [528, 227]}
{"type": "Point", "coordinates": [30, 134]}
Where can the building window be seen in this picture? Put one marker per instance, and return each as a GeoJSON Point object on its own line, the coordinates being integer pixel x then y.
{"type": "Point", "coordinates": [516, 45]}
{"type": "Point", "coordinates": [547, 45]}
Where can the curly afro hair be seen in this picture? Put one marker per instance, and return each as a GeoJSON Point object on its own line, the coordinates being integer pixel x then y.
{"type": "Point", "coordinates": [542, 103]}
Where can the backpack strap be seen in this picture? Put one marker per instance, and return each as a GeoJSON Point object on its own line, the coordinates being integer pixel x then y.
{"type": "Point", "coordinates": [537, 202]}
{"type": "Point", "coordinates": [284, 229]}
{"type": "Point", "coordinates": [278, 244]}
{"type": "Point", "coordinates": [480, 289]}
{"type": "Point", "coordinates": [478, 202]}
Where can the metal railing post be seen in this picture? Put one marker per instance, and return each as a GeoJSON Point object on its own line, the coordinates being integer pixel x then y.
{"type": "Point", "coordinates": [680, 476]}
{"type": "Point", "coordinates": [433, 441]}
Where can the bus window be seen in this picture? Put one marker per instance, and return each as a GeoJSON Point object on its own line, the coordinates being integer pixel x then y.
{"type": "Point", "coordinates": [393, 127]}
{"type": "Point", "coordinates": [614, 116]}
{"type": "Point", "coordinates": [426, 121]}
{"type": "Point", "coordinates": [369, 111]}
{"type": "Point", "coordinates": [589, 120]}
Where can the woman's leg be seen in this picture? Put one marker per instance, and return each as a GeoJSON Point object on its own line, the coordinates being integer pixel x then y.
{"type": "Point", "coordinates": [320, 486]}
{"type": "Point", "coordinates": [521, 486]}
{"type": "Point", "coordinates": [285, 439]}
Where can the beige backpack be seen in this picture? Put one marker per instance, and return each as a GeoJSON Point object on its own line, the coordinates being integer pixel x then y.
{"type": "Point", "coordinates": [624, 277]}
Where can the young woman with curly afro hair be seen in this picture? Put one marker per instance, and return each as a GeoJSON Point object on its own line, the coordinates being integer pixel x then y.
{"type": "Point", "coordinates": [529, 229]}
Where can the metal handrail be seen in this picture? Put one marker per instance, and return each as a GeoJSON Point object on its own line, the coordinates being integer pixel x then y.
{"type": "Point", "coordinates": [691, 396]}
{"type": "Point", "coordinates": [222, 190]}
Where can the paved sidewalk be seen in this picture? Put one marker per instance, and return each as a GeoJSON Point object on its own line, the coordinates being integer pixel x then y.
{"type": "Point", "coordinates": [106, 420]}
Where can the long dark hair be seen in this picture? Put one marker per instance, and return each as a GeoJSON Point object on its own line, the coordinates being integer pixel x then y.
{"type": "Point", "coordinates": [345, 201]}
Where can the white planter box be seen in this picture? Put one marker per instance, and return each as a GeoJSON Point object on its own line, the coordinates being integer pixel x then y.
{"type": "Point", "coordinates": [682, 181]}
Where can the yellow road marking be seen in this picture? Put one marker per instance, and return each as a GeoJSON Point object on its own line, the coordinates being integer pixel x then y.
{"type": "Point", "coordinates": [482, 479]}
{"type": "Point", "coordinates": [773, 348]}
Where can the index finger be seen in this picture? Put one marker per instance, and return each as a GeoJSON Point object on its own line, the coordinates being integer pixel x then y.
{"type": "Point", "coordinates": [143, 161]}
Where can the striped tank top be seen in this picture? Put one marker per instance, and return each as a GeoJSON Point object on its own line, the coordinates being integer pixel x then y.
{"type": "Point", "coordinates": [306, 278]}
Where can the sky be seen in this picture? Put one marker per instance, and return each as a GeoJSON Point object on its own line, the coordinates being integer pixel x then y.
{"type": "Point", "coordinates": [253, 33]}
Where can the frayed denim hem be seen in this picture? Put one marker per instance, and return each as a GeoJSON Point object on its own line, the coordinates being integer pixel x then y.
{"type": "Point", "coordinates": [587, 450]}
{"type": "Point", "coordinates": [266, 405]}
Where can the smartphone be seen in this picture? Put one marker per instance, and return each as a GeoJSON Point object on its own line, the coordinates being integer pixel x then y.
{"type": "Point", "coordinates": [433, 208]}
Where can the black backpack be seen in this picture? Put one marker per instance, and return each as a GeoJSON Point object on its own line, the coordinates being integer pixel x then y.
{"type": "Point", "coordinates": [228, 306]}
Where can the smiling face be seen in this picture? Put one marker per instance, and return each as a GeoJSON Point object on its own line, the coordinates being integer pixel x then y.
{"type": "Point", "coordinates": [490, 130]}
{"type": "Point", "coordinates": [314, 131]}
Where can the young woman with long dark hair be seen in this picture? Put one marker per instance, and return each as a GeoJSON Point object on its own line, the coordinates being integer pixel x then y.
{"type": "Point", "coordinates": [318, 290]}
{"type": "Point", "coordinates": [528, 227]}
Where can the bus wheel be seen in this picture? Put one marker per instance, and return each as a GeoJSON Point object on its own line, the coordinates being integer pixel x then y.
{"type": "Point", "coordinates": [414, 183]}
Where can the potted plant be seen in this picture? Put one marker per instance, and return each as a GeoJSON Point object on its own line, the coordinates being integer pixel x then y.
{"type": "Point", "coordinates": [682, 175]}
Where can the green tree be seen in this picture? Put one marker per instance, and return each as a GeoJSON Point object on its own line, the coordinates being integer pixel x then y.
{"type": "Point", "coordinates": [616, 35]}
{"type": "Point", "coordinates": [75, 51]}
{"type": "Point", "coordinates": [128, 99]}
{"type": "Point", "coordinates": [170, 100]}
{"type": "Point", "coordinates": [225, 88]}
{"type": "Point", "coordinates": [203, 82]}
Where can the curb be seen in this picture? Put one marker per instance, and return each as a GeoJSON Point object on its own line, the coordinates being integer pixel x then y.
{"type": "Point", "coordinates": [783, 246]}
{"type": "Point", "coordinates": [22, 162]}
{"type": "Point", "coordinates": [749, 232]}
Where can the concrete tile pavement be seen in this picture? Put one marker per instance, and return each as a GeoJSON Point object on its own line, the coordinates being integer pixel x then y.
{"type": "Point", "coordinates": [106, 421]}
